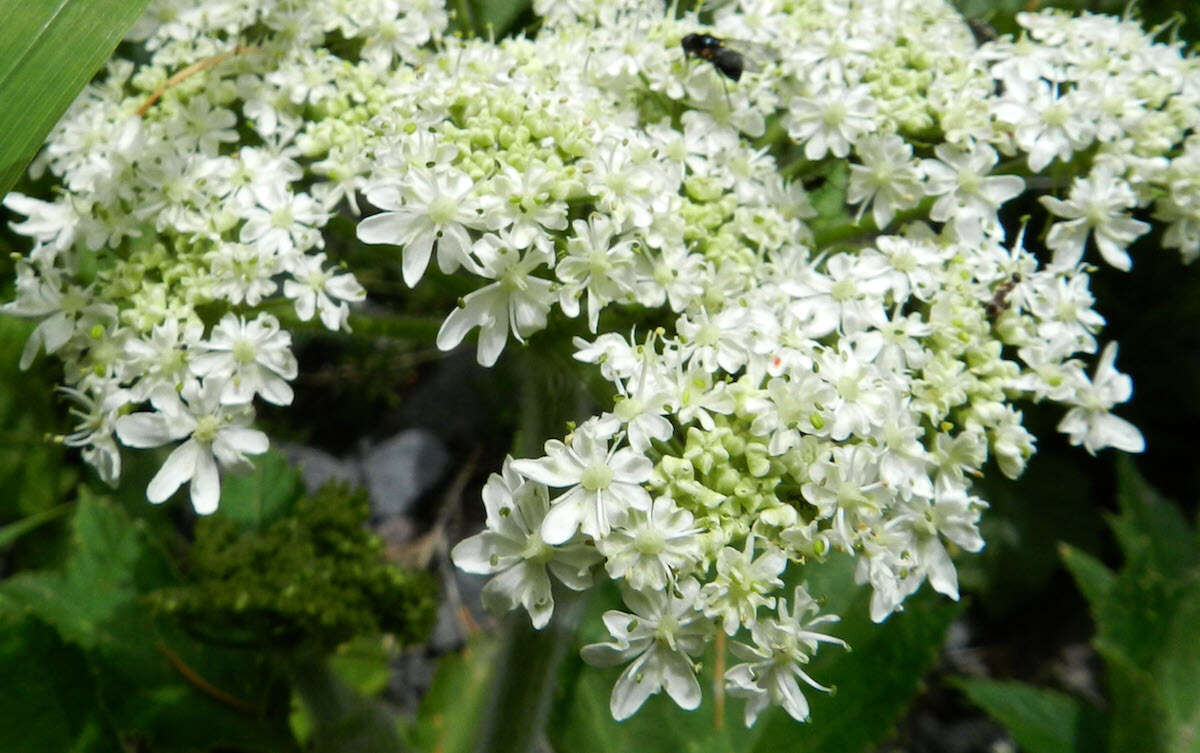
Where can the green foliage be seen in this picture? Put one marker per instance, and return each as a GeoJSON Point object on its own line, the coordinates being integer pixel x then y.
{"type": "Point", "coordinates": [1146, 616]}
{"type": "Point", "coordinates": [32, 474]}
{"type": "Point", "coordinates": [452, 712]}
{"type": "Point", "coordinates": [48, 50]}
{"type": "Point", "coordinates": [54, 707]}
{"type": "Point", "coordinates": [137, 677]}
{"type": "Point", "coordinates": [313, 577]}
{"type": "Point", "coordinates": [101, 670]}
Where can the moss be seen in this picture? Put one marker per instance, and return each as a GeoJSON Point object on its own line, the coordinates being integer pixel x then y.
{"type": "Point", "coordinates": [315, 578]}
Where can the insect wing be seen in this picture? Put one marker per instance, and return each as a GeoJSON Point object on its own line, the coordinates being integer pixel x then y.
{"type": "Point", "coordinates": [755, 56]}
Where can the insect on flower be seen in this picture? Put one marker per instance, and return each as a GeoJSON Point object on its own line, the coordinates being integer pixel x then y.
{"type": "Point", "coordinates": [999, 303]}
{"type": "Point", "coordinates": [731, 63]}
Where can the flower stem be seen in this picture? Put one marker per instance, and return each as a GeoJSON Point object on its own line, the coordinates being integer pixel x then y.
{"type": "Point", "coordinates": [719, 682]}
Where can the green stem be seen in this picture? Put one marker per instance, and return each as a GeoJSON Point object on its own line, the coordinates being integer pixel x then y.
{"type": "Point", "coordinates": [525, 675]}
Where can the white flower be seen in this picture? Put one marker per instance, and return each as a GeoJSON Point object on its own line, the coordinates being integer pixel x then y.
{"type": "Point", "coordinates": [517, 301]}
{"type": "Point", "coordinates": [248, 357]}
{"type": "Point", "coordinates": [97, 412]}
{"type": "Point", "coordinates": [742, 584]}
{"type": "Point", "coordinates": [318, 291]}
{"type": "Point", "coordinates": [162, 359]}
{"type": "Point", "coordinates": [1090, 423]}
{"type": "Point", "coordinates": [50, 224]}
{"type": "Point", "coordinates": [60, 305]}
{"type": "Point", "coordinates": [1095, 209]}
{"type": "Point", "coordinates": [641, 409]}
{"type": "Point", "coordinates": [243, 273]}
{"type": "Point", "coordinates": [968, 197]}
{"type": "Point", "coordinates": [426, 208]}
{"type": "Point", "coordinates": [714, 341]}
{"type": "Point", "coordinates": [512, 547]}
{"type": "Point", "coordinates": [848, 297]}
{"type": "Point", "coordinates": [1046, 125]}
{"type": "Point", "coordinates": [846, 490]}
{"type": "Point", "coordinates": [661, 635]}
{"type": "Point", "coordinates": [603, 483]}
{"type": "Point", "coordinates": [830, 120]}
{"type": "Point", "coordinates": [595, 264]}
{"type": "Point", "coordinates": [649, 547]}
{"type": "Point", "coordinates": [951, 513]}
{"type": "Point", "coordinates": [782, 646]}
{"type": "Point", "coordinates": [792, 406]}
{"type": "Point", "coordinates": [888, 180]}
{"type": "Point", "coordinates": [282, 222]}
{"type": "Point", "coordinates": [524, 199]}
{"type": "Point", "coordinates": [215, 434]}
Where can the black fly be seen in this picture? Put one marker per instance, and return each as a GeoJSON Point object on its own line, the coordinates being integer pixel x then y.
{"type": "Point", "coordinates": [729, 62]}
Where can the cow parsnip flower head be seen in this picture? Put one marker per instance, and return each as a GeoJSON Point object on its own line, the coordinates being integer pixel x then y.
{"type": "Point", "coordinates": [827, 384]}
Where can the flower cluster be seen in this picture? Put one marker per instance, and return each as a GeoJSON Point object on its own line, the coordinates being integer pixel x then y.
{"type": "Point", "coordinates": [190, 221]}
{"type": "Point", "coordinates": [809, 385]}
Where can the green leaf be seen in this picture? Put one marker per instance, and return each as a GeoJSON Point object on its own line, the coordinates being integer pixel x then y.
{"type": "Point", "coordinates": [156, 684]}
{"type": "Point", "coordinates": [1094, 579]}
{"type": "Point", "coordinates": [336, 718]}
{"type": "Point", "coordinates": [363, 664]}
{"type": "Point", "coordinates": [110, 561]}
{"type": "Point", "coordinates": [31, 469]}
{"type": "Point", "coordinates": [1146, 616]}
{"type": "Point", "coordinates": [265, 494]}
{"type": "Point", "coordinates": [453, 710]}
{"type": "Point", "coordinates": [1151, 524]}
{"type": "Point", "coordinates": [1040, 721]}
{"type": "Point", "coordinates": [48, 50]}
{"type": "Point", "coordinates": [51, 703]}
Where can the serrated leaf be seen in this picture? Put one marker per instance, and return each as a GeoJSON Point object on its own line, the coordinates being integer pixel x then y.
{"type": "Point", "coordinates": [1151, 524]}
{"type": "Point", "coordinates": [1040, 720]}
{"type": "Point", "coordinates": [48, 50]}
{"type": "Point", "coordinates": [172, 693]}
{"type": "Point", "coordinates": [1146, 616]}
{"type": "Point", "coordinates": [110, 560]}
{"type": "Point", "coordinates": [1091, 576]}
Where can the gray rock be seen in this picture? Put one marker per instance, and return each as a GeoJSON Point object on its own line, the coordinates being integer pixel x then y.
{"type": "Point", "coordinates": [399, 470]}
{"type": "Point", "coordinates": [318, 466]}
